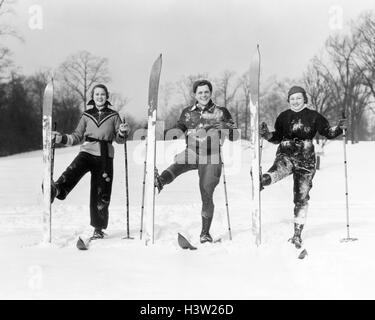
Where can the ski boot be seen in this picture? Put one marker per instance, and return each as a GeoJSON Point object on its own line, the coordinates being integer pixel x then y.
{"type": "Point", "coordinates": [205, 238]}
{"type": "Point", "coordinates": [158, 182]}
{"type": "Point", "coordinates": [54, 191]}
{"type": "Point", "coordinates": [98, 234]}
{"type": "Point", "coordinates": [205, 235]}
{"type": "Point", "coordinates": [296, 239]}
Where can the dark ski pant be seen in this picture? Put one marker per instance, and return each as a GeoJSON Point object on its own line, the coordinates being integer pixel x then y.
{"type": "Point", "coordinates": [209, 172]}
{"type": "Point", "coordinates": [101, 188]}
{"type": "Point", "coordinates": [303, 174]}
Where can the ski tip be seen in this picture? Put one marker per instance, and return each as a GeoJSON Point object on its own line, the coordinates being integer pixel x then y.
{"type": "Point", "coordinates": [303, 254]}
{"type": "Point", "coordinates": [81, 244]}
{"type": "Point", "coordinates": [158, 62]}
{"type": "Point", "coordinates": [184, 243]}
{"type": "Point", "coordinates": [49, 86]}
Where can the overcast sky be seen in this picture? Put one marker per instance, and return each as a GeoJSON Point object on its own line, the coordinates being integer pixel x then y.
{"type": "Point", "coordinates": [193, 36]}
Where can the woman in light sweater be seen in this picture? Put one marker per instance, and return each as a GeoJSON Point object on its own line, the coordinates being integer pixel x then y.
{"type": "Point", "coordinates": [98, 127]}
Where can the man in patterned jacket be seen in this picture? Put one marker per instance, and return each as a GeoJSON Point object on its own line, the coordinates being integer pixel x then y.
{"type": "Point", "coordinates": [205, 125]}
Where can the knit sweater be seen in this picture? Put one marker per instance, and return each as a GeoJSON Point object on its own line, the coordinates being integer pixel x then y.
{"type": "Point", "coordinates": [294, 132]}
{"type": "Point", "coordinates": [303, 125]}
{"type": "Point", "coordinates": [97, 124]}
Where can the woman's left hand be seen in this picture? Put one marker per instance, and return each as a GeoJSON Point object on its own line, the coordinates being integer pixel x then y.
{"type": "Point", "coordinates": [343, 124]}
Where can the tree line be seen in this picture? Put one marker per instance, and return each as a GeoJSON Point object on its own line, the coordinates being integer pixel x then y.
{"type": "Point", "coordinates": [340, 81]}
{"type": "Point", "coordinates": [21, 101]}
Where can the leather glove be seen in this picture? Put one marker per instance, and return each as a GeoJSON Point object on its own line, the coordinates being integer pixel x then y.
{"type": "Point", "coordinates": [342, 124]}
{"type": "Point", "coordinates": [57, 136]}
{"type": "Point", "coordinates": [264, 132]}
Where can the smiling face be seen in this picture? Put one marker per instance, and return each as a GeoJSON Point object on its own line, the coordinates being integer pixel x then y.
{"type": "Point", "coordinates": [203, 95]}
{"type": "Point", "coordinates": [296, 100]}
{"type": "Point", "coordinates": [100, 97]}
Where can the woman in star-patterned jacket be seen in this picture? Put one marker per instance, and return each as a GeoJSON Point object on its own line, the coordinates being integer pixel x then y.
{"type": "Point", "coordinates": [98, 127]}
{"type": "Point", "coordinates": [295, 129]}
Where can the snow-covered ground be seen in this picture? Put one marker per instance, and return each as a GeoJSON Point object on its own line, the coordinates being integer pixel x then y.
{"type": "Point", "coordinates": [117, 268]}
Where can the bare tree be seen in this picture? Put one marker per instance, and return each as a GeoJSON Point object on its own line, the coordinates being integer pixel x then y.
{"type": "Point", "coordinates": [244, 84]}
{"type": "Point", "coordinates": [273, 100]}
{"type": "Point", "coordinates": [366, 55]}
{"type": "Point", "coordinates": [166, 93]}
{"type": "Point", "coordinates": [81, 71]}
{"type": "Point", "coordinates": [118, 101]}
{"type": "Point", "coordinates": [36, 84]}
{"type": "Point", "coordinates": [6, 31]}
{"type": "Point", "coordinates": [318, 87]}
{"type": "Point", "coordinates": [344, 78]}
{"type": "Point", "coordinates": [226, 88]}
{"type": "Point", "coordinates": [171, 116]}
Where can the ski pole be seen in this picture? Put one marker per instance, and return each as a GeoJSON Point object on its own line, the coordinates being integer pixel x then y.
{"type": "Point", "coordinates": [143, 192]}
{"type": "Point", "coordinates": [52, 168]}
{"type": "Point", "coordinates": [126, 186]}
{"type": "Point", "coordinates": [348, 238]}
{"type": "Point", "coordinates": [260, 179]}
{"type": "Point", "coordinates": [260, 158]}
{"type": "Point", "coordinates": [260, 140]}
{"type": "Point", "coordinates": [53, 150]}
{"type": "Point", "coordinates": [226, 194]}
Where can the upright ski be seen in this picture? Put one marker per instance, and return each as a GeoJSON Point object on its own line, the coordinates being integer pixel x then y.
{"type": "Point", "coordinates": [255, 152]}
{"type": "Point", "coordinates": [149, 213]}
{"type": "Point", "coordinates": [47, 161]}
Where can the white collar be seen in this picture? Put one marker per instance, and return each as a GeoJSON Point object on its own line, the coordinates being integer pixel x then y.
{"type": "Point", "coordinates": [299, 109]}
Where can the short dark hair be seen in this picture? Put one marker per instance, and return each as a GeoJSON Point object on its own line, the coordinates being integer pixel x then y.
{"type": "Point", "coordinates": [100, 86]}
{"type": "Point", "coordinates": [200, 83]}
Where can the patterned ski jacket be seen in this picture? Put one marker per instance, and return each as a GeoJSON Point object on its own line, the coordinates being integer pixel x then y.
{"type": "Point", "coordinates": [199, 127]}
{"type": "Point", "coordinates": [96, 126]}
{"type": "Point", "coordinates": [294, 131]}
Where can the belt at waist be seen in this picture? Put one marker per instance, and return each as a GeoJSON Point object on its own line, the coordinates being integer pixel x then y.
{"type": "Point", "coordinates": [90, 139]}
{"type": "Point", "coordinates": [296, 140]}
{"type": "Point", "coordinates": [103, 145]}
{"type": "Point", "coordinates": [103, 154]}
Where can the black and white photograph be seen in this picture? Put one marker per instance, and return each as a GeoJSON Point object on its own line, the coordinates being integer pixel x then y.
{"type": "Point", "coordinates": [213, 150]}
